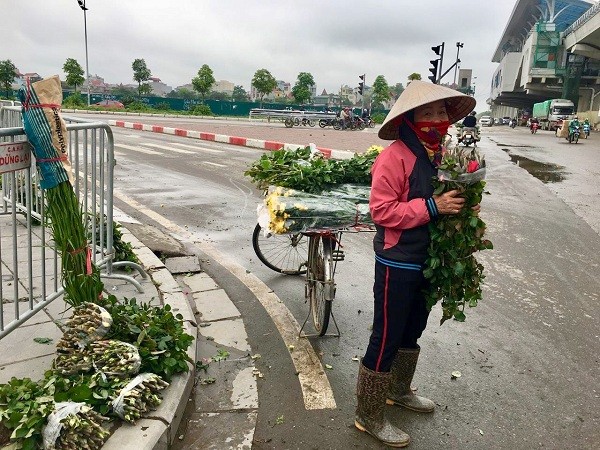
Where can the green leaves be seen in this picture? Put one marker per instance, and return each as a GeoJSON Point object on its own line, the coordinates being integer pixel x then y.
{"type": "Point", "coordinates": [158, 334]}
{"type": "Point", "coordinates": [297, 170]}
{"type": "Point", "coordinates": [454, 274]}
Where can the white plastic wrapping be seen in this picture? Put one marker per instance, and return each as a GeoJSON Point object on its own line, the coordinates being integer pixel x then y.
{"type": "Point", "coordinates": [54, 424]}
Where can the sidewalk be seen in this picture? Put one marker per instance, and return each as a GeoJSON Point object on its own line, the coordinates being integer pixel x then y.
{"type": "Point", "coordinates": [179, 282]}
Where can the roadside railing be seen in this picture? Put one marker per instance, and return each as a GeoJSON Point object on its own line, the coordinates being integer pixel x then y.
{"type": "Point", "coordinates": [29, 264]}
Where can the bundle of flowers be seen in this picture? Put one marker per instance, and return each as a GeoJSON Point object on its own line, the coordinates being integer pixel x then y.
{"type": "Point", "coordinates": [451, 268]}
{"type": "Point", "coordinates": [139, 396]}
{"type": "Point", "coordinates": [304, 190]}
{"type": "Point", "coordinates": [288, 210]}
{"type": "Point", "coordinates": [74, 426]}
{"type": "Point", "coordinates": [305, 169]}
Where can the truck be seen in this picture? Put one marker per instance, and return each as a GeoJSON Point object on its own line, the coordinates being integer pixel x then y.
{"type": "Point", "coordinates": [551, 113]}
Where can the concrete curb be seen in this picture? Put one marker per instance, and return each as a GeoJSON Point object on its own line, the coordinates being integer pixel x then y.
{"type": "Point", "coordinates": [232, 140]}
{"type": "Point", "coordinates": [157, 431]}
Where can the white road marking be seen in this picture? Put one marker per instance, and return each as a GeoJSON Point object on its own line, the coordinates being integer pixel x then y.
{"type": "Point", "coordinates": [168, 149]}
{"type": "Point", "coordinates": [214, 164]}
{"type": "Point", "coordinates": [195, 147]}
{"type": "Point", "coordinates": [138, 149]}
{"type": "Point", "coordinates": [314, 383]}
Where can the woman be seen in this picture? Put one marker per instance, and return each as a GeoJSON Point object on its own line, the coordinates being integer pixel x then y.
{"type": "Point", "coordinates": [402, 205]}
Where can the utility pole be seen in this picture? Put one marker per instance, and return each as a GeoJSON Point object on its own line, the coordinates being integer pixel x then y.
{"type": "Point", "coordinates": [87, 66]}
{"type": "Point", "coordinates": [459, 45]}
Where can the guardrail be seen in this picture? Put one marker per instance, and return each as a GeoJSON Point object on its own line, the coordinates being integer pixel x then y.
{"type": "Point", "coordinates": [29, 264]}
{"type": "Point", "coordinates": [595, 9]}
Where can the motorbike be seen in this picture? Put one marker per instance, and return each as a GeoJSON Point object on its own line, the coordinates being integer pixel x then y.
{"type": "Point", "coordinates": [573, 135]}
{"type": "Point", "coordinates": [586, 130]}
{"type": "Point", "coordinates": [534, 127]}
{"type": "Point", "coordinates": [326, 122]}
{"type": "Point", "coordinates": [467, 138]}
{"type": "Point", "coordinates": [368, 122]}
{"type": "Point", "coordinates": [512, 123]}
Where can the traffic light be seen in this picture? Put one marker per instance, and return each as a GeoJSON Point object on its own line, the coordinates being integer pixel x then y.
{"type": "Point", "coordinates": [436, 64]}
{"type": "Point", "coordinates": [361, 85]}
{"type": "Point", "coordinates": [434, 70]}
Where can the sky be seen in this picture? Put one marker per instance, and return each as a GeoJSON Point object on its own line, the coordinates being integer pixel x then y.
{"type": "Point", "coordinates": [334, 40]}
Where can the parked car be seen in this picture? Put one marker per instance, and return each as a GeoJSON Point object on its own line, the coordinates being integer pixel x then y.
{"type": "Point", "coordinates": [505, 120]}
{"type": "Point", "coordinates": [110, 104]}
{"type": "Point", "coordinates": [486, 121]}
{"type": "Point", "coordinates": [498, 121]}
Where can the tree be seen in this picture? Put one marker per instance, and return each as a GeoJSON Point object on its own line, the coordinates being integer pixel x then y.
{"type": "Point", "coordinates": [74, 73]}
{"type": "Point", "coordinates": [141, 74]}
{"type": "Point", "coordinates": [204, 81]}
{"type": "Point", "coordinates": [414, 76]}
{"type": "Point", "coordinates": [397, 89]}
{"type": "Point", "coordinates": [7, 75]}
{"type": "Point", "coordinates": [222, 96]}
{"type": "Point", "coordinates": [264, 83]}
{"type": "Point", "coordinates": [239, 94]}
{"type": "Point", "coordinates": [301, 90]}
{"type": "Point", "coordinates": [381, 90]}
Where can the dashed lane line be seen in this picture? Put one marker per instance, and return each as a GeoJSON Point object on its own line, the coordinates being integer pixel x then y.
{"type": "Point", "coordinates": [138, 149]}
{"type": "Point", "coordinates": [168, 149]}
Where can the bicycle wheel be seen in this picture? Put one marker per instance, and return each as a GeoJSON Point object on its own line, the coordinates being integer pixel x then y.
{"type": "Point", "coordinates": [321, 286]}
{"type": "Point", "coordinates": [283, 253]}
{"type": "Point", "coordinates": [289, 123]}
{"type": "Point", "coordinates": [323, 123]}
{"type": "Point", "coordinates": [312, 122]}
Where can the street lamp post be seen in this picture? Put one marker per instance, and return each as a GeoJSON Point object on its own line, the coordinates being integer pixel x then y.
{"type": "Point", "coordinates": [87, 67]}
{"type": "Point", "coordinates": [459, 45]}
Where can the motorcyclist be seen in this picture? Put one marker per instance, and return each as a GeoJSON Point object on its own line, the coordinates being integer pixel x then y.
{"type": "Point", "coordinates": [469, 123]}
{"type": "Point", "coordinates": [574, 124]}
{"type": "Point", "coordinates": [532, 121]}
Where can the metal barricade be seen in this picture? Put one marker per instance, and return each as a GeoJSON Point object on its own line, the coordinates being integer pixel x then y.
{"type": "Point", "coordinates": [29, 264]}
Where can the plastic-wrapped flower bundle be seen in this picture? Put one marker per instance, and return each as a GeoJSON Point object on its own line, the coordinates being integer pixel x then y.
{"type": "Point", "coordinates": [454, 273]}
{"type": "Point", "coordinates": [74, 426]}
{"type": "Point", "coordinates": [115, 358]}
{"type": "Point", "coordinates": [139, 396]}
{"type": "Point", "coordinates": [290, 210]}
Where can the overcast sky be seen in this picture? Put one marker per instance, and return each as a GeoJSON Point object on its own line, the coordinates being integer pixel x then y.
{"type": "Point", "coordinates": [334, 40]}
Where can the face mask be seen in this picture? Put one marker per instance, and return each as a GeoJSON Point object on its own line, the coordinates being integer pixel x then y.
{"type": "Point", "coordinates": [430, 132]}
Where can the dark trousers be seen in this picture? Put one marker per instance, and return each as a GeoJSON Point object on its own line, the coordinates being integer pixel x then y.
{"type": "Point", "coordinates": [400, 315]}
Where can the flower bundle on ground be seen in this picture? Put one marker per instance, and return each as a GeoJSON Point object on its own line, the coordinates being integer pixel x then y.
{"type": "Point", "coordinates": [454, 274]}
{"type": "Point", "coordinates": [74, 426]}
{"type": "Point", "coordinates": [139, 396]}
{"type": "Point", "coordinates": [115, 358]}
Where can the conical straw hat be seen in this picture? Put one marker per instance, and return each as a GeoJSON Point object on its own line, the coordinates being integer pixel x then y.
{"type": "Point", "coordinates": [419, 93]}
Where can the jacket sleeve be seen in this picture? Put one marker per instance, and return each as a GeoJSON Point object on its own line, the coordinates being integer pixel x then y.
{"type": "Point", "coordinates": [389, 193]}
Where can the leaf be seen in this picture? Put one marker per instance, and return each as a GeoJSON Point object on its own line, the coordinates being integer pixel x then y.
{"type": "Point", "coordinates": [329, 366]}
{"type": "Point", "coordinates": [42, 340]}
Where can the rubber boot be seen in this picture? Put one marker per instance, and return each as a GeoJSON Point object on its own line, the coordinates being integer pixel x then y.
{"type": "Point", "coordinates": [371, 390]}
{"type": "Point", "coordinates": [400, 393]}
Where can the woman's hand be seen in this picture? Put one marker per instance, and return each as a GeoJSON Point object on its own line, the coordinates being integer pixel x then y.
{"type": "Point", "coordinates": [449, 202]}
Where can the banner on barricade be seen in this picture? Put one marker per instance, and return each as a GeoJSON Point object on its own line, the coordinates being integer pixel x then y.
{"type": "Point", "coordinates": [14, 156]}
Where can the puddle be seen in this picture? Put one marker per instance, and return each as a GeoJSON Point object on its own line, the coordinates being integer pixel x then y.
{"type": "Point", "coordinates": [514, 145]}
{"type": "Point", "coordinates": [547, 173]}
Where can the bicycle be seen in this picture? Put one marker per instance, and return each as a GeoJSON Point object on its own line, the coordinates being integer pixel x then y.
{"type": "Point", "coordinates": [285, 254]}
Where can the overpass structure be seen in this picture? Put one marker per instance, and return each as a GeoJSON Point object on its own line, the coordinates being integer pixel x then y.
{"type": "Point", "coordinates": [549, 49]}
